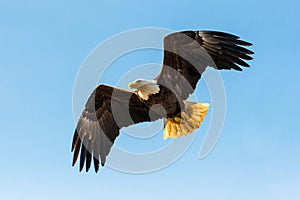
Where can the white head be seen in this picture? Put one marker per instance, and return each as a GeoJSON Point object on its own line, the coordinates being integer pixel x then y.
{"type": "Point", "coordinates": [138, 83]}
{"type": "Point", "coordinates": [144, 87]}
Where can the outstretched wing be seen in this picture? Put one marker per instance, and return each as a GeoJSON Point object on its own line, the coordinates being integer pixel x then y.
{"type": "Point", "coordinates": [107, 110]}
{"type": "Point", "coordinates": [188, 53]}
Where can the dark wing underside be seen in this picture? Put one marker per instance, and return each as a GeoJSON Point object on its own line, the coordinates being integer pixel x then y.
{"type": "Point", "coordinates": [107, 110]}
{"type": "Point", "coordinates": [188, 53]}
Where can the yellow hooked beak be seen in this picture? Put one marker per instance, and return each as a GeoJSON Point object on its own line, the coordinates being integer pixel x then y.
{"type": "Point", "coordinates": [132, 85]}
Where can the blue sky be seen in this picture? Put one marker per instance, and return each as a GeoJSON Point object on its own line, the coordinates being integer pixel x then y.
{"type": "Point", "coordinates": [43, 44]}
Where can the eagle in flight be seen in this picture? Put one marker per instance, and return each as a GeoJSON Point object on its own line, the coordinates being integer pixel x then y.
{"type": "Point", "coordinates": [186, 55]}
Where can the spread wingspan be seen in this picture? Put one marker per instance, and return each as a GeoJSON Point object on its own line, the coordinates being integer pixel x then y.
{"type": "Point", "coordinates": [186, 56]}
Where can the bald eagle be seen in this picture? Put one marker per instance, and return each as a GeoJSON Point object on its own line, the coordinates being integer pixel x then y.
{"type": "Point", "coordinates": [186, 55]}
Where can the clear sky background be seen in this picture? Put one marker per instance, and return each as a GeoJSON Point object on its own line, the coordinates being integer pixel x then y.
{"type": "Point", "coordinates": [42, 45]}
